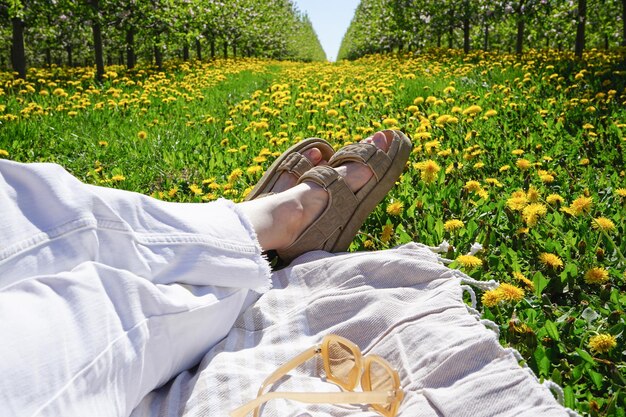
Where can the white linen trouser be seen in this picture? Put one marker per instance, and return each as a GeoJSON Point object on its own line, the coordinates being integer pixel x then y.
{"type": "Point", "coordinates": [106, 294]}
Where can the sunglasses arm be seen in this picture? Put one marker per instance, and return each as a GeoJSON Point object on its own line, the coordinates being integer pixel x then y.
{"type": "Point", "coordinates": [284, 369]}
{"type": "Point", "coordinates": [368, 397]}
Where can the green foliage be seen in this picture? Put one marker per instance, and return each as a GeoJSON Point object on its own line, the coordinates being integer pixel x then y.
{"type": "Point", "coordinates": [504, 25]}
{"type": "Point", "coordinates": [56, 32]}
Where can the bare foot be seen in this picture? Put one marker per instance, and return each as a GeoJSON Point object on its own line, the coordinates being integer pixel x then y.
{"type": "Point", "coordinates": [279, 219]}
{"type": "Point", "coordinates": [314, 199]}
{"type": "Point", "coordinates": [288, 180]}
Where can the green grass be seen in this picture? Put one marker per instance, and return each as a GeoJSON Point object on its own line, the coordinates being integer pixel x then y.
{"type": "Point", "coordinates": [231, 118]}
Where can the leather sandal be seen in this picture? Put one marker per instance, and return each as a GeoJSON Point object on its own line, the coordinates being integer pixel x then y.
{"type": "Point", "coordinates": [336, 227]}
{"type": "Point", "coordinates": [291, 161]}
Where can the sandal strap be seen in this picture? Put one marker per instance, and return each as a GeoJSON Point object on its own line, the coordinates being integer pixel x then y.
{"type": "Point", "coordinates": [367, 153]}
{"type": "Point", "coordinates": [341, 200]}
{"type": "Point", "coordinates": [295, 163]}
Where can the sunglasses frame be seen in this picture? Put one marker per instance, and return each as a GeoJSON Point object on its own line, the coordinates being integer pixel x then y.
{"type": "Point", "coordinates": [362, 368]}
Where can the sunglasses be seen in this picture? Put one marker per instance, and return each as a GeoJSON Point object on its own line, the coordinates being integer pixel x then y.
{"type": "Point", "coordinates": [343, 365]}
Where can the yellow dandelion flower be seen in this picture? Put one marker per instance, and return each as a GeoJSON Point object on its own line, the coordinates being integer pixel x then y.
{"type": "Point", "coordinates": [491, 298]}
{"type": "Point", "coordinates": [602, 343]}
{"type": "Point", "coordinates": [581, 205]}
{"type": "Point", "coordinates": [584, 161]}
{"type": "Point", "coordinates": [390, 122]}
{"type": "Point", "coordinates": [386, 233]}
{"type": "Point", "coordinates": [4, 152]}
{"type": "Point", "coordinates": [103, 143]}
{"type": "Point", "coordinates": [520, 277]}
{"type": "Point", "coordinates": [445, 153]}
{"type": "Point", "coordinates": [532, 194]}
{"type": "Point", "coordinates": [172, 192]}
{"type": "Point", "coordinates": [259, 159]}
{"type": "Point", "coordinates": [510, 292]}
{"type": "Point", "coordinates": [469, 261]}
{"type": "Point", "coordinates": [517, 152]}
{"type": "Point", "coordinates": [547, 178]}
{"type": "Point", "coordinates": [453, 224]}
{"type": "Point", "coordinates": [395, 208]}
{"type": "Point", "coordinates": [253, 170]}
{"type": "Point", "coordinates": [550, 260]}
{"type": "Point", "coordinates": [504, 168]}
{"type": "Point", "coordinates": [523, 164]}
{"type": "Point", "coordinates": [602, 223]}
{"type": "Point", "coordinates": [332, 113]}
{"type": "Point", "coordinates": [554, 199]}
{"type": "Point", "coordinates": [234, 176]}
{"type": "Point", "coordinates": [195, 189]}
{"type": "Point", "coordinates": [472, 185]}
{"type": "Point", "coordinates": [429, 170]}
{"type": "Point", "coordinates": [532, 212]}
{"type": "Point", "coordinates": [142, 134]}
{"type": "Point", "coordinates": [490, 113]}
{"type": "Point", "coordinates": [621, 192]}
{"type": "Point", "coordinates": [493, 181]}
{"type": "Point", "coordinates": [596, 276]}
{"type": "Point", "coordinates": [517, 203]}
{"type": "Point", "coordinates": [118, 178]}
{"type": "Point", "coordinates": [472, 110]}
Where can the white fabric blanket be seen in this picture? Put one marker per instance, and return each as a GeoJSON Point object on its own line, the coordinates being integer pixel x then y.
{"type": "Point", "coordinates": [400, 304]}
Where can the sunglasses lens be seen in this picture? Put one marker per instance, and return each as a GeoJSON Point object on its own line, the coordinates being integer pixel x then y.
{"type": "Point", "coordinates": [380, 380]}
{"type": "Point", "coordinates": [341, 364]}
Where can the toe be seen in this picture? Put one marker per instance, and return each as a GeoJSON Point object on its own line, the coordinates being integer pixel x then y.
{"type": "Point", "coordinates": [314, 155]}
{"type": "Point", "coordinates": [382, 139]}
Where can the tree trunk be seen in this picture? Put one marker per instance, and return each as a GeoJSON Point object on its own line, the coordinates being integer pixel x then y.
{"type": "Point", "coordinates": [439, 39]}
{"type": "Point", "coordinates": [580, 28]}
{"type": "Point", "coordinates": [198, 50]}
{"type": "Point", "coordinates": [466, 26]}
{"type": "Point", "coordinates": [606, 41]}
{"type": "Point", "coordinates": [623, 22]}
{"type": "Point", "coordinates": [212, 48]}
{"type": "Point", "coordinates": [234, 49]}
{"type": "Point", "coordinates": [451, 30]}
{"type": "Point", "coordinates": [225, 50]}
{"type": "Point", "coordinates": [466, 34]}
{"type": "Point", "coordinates": [97, 41]}
{"type": "Point", "coordinates": [18, 55]}
{"type": "Point", "coordinates": [186, 52]}
{"type": "Point", "coordinates": [70, 59]}
{"type": "Point", "coordinates": [519, 43]}
{"type": "Point", "coordinates": [158, 57]}
{"type": "Point", "coordinates": [48, 57]}
{"type": "Point", "coordinates": [486, 36]}
{"type": "Point", "coordinates": [131, 59]}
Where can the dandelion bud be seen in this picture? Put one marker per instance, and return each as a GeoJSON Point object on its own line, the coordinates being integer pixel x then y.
{"type": "Point", "coordinates": [600, 254]}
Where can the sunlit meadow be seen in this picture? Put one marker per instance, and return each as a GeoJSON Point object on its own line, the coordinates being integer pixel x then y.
{"type": "Point", "coordinates": [522, 155]}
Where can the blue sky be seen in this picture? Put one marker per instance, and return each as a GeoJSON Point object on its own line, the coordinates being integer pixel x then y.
{"type": "Point", "coordinates": [330, 19]}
